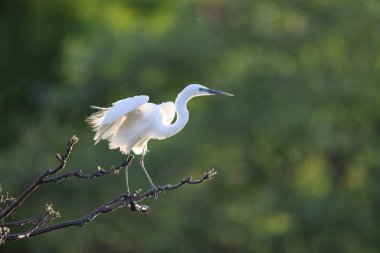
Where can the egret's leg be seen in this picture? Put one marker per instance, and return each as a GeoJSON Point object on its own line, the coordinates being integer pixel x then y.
{"type": "Point", "coordinates": [143, 167]}
{"type": "Point", "coordinates": [126, 175]}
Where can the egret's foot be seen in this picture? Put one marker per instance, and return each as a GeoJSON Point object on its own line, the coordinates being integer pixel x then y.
{"type": "Point", "coordinates": [154, 191]}
{"type": "Point", "coordinates": [161, 189]}
{"type": "Point", "coordinates": [133, 206]}
{"type": "Point", "coordinates": [131, 200]}
{"type": "Point", "coordinates": [132, 203]}
{"type": "Point", "coordinates": [133, 194]}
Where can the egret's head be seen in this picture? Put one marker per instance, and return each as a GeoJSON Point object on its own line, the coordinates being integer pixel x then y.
{"type": "Point", "coordinates": [199, 90]}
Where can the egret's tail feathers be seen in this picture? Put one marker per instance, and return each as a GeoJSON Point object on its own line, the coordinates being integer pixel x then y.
{"type": "Point", "coordinates": [98, 107]}
{"type": "Point", "coordinates": [95, 120]}
{"type": "Point", "coordinates": [106, 132]}
{"type": "Point", "coordinates": [100, 133]}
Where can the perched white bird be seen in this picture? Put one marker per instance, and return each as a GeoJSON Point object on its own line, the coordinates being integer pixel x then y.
{"type": "Point", "coordinates": [130, 123]}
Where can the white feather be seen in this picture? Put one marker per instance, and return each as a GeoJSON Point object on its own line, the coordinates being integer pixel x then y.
{"type": "Point", "coordinates": [168, 108]}
{"type": "Point", "coordinates": [106, 121]}
{"type": "Point", "coordinates": [123, 107]}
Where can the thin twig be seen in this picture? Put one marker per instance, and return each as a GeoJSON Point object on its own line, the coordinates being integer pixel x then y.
{"type": "Point", "coordinates": [189, 180]}
{"type": "Point", "coordinates": [19, 222]}
{"type": "Point", "coordinates": [99, 173]}
{"type": "Point", "coordinates": [49, 215]}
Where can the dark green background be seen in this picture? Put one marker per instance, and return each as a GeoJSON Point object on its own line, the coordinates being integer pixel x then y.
{"type": "Point", "coordinates": [296, 150]}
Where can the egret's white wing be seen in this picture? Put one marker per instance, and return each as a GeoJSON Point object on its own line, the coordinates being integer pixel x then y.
{"type": "Point", "coordinates": [107, 120]}
{"type": "Point", "coordinates": [122, 107]}
{"type": "Point", "coordinates": [168, 108]}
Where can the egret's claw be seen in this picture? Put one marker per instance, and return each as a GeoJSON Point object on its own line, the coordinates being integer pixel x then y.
{"type": "Point", "coordinates": [161, 189]}
{"type": "Point", "coordinates": [154, 191]}
{"type": "Point", "coordinates": [132, 204]}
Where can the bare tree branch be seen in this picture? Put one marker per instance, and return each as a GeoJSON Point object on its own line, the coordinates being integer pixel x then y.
{"type": "Point", "coordinates": [18, 201]}
{"type": "Point", "coordinates": [40, 225]}
{"type": "Point", "coordinates": [19, 222]}
{"type": "Point", "coordinates": [99, 173]}
{"type": "Point", "coordinates": [120, 201]}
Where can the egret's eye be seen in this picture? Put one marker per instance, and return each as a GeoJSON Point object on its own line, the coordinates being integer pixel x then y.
{"type": "Point", "coordinates": [203, 89]}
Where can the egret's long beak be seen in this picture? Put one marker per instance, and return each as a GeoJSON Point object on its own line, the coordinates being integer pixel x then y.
{"type": "Point", "coordinates": [218, 92]}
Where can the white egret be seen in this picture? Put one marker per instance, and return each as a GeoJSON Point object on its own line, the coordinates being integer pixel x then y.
{"type": "Point", "coordinates": [130, 123]}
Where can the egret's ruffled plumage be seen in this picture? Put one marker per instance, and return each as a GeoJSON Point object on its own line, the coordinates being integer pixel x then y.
{"type": "Point", "coordinates": [125, 124]}
{"type": "Point", "coordinates": [130, 123]}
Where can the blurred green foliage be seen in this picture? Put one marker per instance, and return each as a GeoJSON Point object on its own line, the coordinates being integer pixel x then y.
{"type": "Point", "coordinates": [296, 150]}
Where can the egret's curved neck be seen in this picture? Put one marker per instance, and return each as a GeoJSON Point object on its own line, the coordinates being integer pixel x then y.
{"type": "Point", "coordinates": [182, 114]}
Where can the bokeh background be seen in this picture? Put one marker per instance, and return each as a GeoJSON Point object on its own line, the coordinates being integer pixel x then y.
{"type": "Point", "coordinates": [296, 150]}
